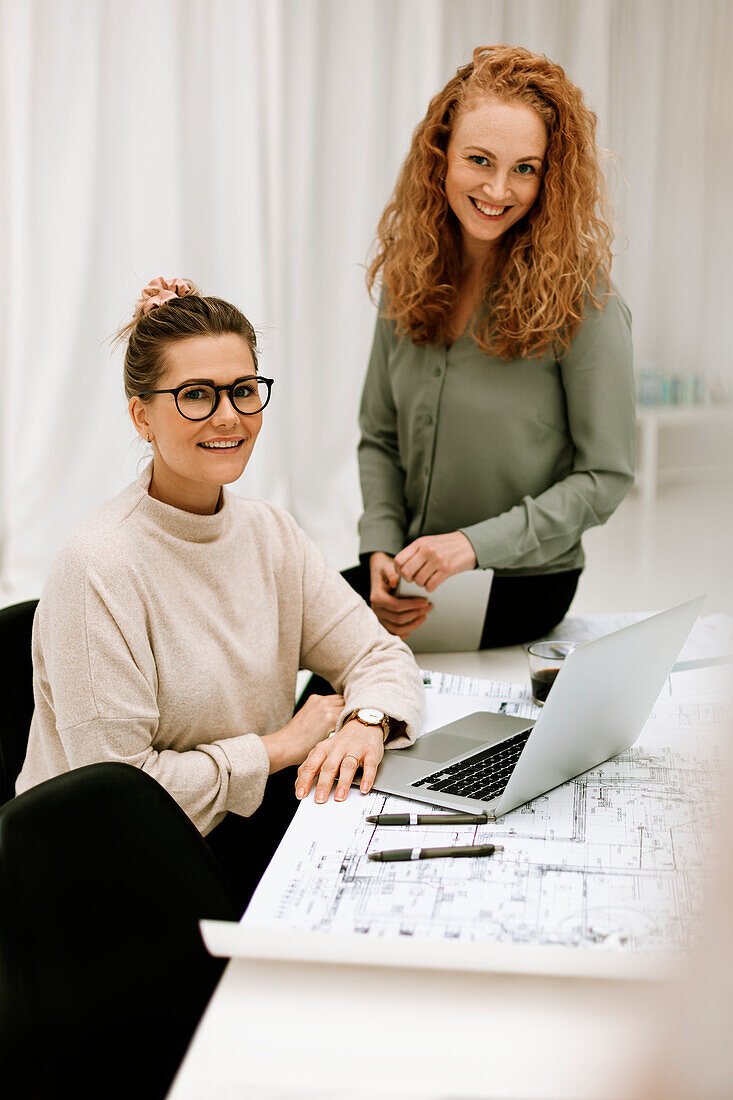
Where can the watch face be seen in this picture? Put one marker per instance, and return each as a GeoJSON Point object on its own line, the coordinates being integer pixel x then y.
{"type": "Point", "coordinates": [370, 716]}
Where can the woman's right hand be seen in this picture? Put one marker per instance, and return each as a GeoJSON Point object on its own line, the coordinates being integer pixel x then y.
{"type": "Point", "coordinates": [316, 719]}
{"type": "Point", "coordinates": [399, 615]}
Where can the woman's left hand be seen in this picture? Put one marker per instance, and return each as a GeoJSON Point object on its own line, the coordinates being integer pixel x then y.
{"type": "Point", "coordinates": [431, 559]}
{"type": "Point", "coordinates": [338, 758]}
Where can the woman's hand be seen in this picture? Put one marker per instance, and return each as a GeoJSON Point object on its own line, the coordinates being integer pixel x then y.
{"type": "Point", "coordinates": [431, 559]}
{"type": "Point", "coordinates": [399, 615]}
{"type": "Point", "coordinates": [354, 746]}
{"type": "Point", "coordinates": [314, 721]}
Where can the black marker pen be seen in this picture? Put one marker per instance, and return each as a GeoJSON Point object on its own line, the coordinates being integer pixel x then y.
{"type": "Point", "coordinates": [469, 850]}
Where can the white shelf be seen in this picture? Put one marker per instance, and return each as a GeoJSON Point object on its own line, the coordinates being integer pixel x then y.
{"type": "Point", "coordinates": [651, 419]}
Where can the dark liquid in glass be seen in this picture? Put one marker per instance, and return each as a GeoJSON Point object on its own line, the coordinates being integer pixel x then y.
{"type": "Point", "coordinates": [542, 681]}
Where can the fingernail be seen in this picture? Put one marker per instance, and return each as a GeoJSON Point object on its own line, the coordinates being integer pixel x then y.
{"type": "Point", "coordinates": [364, 790]}
{"type": "Point", "coordinates": [300, 792]}
{"type": "Point", "coordinates": [320, 798]}
{"type": "Point", "coordinates": [341, 793]}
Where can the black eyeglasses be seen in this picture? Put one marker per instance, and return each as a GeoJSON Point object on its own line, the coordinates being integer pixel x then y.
{"type": "Point", "coordinates": [199, 400]}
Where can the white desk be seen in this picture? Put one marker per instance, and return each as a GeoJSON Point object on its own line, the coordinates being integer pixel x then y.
{"type": "Point", "coordinates": [304, 1030]}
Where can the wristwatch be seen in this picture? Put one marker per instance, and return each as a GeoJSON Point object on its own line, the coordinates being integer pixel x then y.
{"type": "Point", "coordinates": [370, 716]}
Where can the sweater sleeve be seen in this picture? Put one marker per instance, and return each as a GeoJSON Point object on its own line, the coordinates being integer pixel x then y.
{"type": "Point", "coordinates": [597, 374]}
{"type": "Point", "coordinates": [383, 523]}
{"type": "Point", "coordinates": [100, 682]}
{"type": "Point", "coordinates": [343, 641]}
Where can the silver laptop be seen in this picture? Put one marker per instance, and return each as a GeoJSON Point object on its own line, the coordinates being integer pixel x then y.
{"type": "Point", "coordinates": [599, 702]}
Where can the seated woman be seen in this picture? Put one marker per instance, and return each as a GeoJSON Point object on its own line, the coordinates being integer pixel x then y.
{"type": "Point", "coordinates": [176, 616]}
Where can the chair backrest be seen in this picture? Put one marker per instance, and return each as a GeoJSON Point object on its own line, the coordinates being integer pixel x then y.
{"type": "Point", "coordinates": [16, 624]}
{"type": "Point", "coordinates": [103, 973]}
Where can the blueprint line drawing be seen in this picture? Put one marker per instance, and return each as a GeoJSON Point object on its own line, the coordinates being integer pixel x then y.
{"type": "Point", "coordinates": [614, 859]}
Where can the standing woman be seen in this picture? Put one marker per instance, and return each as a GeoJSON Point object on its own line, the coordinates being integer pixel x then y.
{"type": "Point", "coordinates": [175, 618]}
{"type": "Point", "coordinates": [497, 418]}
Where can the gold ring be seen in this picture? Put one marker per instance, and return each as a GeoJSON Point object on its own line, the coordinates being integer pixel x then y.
{"type": "Point", "coordinates": [349, 756]}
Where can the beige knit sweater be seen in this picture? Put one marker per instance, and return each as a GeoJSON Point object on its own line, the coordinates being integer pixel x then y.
{"type": "Point", "coordinates": [172, 641]}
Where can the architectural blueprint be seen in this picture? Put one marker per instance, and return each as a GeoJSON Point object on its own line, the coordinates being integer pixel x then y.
{"type": "Point", "coordinates": [613, 859]}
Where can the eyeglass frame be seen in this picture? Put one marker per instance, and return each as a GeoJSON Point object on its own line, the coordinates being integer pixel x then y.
{"type": "Point", "coordinates": [218, 390]}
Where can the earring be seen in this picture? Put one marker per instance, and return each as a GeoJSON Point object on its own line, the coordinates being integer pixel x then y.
{"type": "Point", "coordinates": [147, 438]}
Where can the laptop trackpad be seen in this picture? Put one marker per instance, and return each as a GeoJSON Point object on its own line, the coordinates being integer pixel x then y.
{"type": "Point", "coordinates": [437, 747]}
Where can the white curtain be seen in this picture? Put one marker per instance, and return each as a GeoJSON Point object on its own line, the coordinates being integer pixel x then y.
{"type": "Point", "coordinates": [251, 145]}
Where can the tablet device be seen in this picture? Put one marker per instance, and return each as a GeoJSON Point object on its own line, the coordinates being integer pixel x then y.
{"type": "Point", "coordinates": [459, 608]}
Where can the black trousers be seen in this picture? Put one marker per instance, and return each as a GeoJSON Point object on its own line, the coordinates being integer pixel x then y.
{"type": "Point", "coordinates": [243, 846]}
{"type": "Point", "coordinates": [524, 608]}
{"type": "Point", "coordinates": [520, 610]}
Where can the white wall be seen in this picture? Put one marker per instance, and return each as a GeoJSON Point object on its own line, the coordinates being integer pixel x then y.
{"type": "Point", "coordinates": [251, 145]}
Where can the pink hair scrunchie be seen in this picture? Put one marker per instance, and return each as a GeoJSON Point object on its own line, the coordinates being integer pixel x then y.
{"type": "Point", "coordinates": [160, 290]}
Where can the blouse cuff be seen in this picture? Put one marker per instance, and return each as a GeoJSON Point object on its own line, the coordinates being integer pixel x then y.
{"type": "Point", "coordinates": [499, 542]}
{"type": "Point", "coordinates": [380, 535]}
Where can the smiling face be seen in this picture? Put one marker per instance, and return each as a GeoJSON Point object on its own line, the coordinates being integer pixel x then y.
{"type": "Point", "coordinates": [495, 159]}
{"type": "Point", "coordinates": [193, 459]}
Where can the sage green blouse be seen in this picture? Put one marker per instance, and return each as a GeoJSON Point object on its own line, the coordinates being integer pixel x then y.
{"type": "Point", "coordinates": [521, 455]}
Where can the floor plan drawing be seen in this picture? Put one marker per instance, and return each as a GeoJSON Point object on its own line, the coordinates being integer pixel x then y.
{"type": "Point", "coordinates": [614, 858]}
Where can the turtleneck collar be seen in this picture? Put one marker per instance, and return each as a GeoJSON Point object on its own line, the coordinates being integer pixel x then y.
{"type": "Point", "coordinates": [188, 526]}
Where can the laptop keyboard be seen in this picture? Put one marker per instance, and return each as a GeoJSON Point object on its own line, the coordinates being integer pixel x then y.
{"type": "Point", "coordinates": [483, 775]}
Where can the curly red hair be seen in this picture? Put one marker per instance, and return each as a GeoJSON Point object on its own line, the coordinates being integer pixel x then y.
{"type": "Point", "coordinates": [550, 262]}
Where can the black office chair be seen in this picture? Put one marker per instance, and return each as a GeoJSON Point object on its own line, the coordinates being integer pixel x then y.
{"type": "Point", "coordinates": [16, 623]}
{"type": "Point", "coordinates": [103, 973]}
